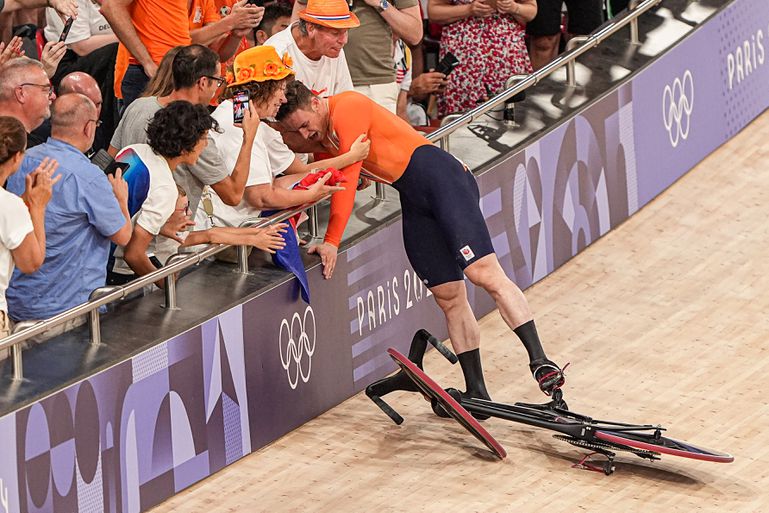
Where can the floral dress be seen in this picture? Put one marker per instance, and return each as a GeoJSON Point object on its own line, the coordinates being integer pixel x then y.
{"type": "Point", "coordinates": [490, 51]}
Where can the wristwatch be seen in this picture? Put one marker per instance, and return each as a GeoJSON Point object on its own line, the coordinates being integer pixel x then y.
{"type": "Point", "coordinates": [383, 5]}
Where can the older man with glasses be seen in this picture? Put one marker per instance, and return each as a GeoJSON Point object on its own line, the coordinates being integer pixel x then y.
{"type": "Point", "coordinates": [25, 92]}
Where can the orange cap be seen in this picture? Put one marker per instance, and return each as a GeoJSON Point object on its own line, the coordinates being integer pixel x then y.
{"type": "Point", "coordinates": [329, 13]}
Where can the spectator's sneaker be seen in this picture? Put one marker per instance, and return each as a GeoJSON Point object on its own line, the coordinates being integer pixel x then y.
{"type": "Point", "coordinates": [548, 375]}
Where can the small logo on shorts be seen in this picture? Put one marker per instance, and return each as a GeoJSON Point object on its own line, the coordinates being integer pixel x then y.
{"type": "Point", "coordinates": [467, 253]}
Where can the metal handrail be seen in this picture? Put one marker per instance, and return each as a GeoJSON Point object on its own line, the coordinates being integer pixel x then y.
{"type": "Point", "coordinates": [105, 295]}
{"type": "Point", "coordinates": [630, 17]}
{"type": "Point", "coordinates": [283, 215]}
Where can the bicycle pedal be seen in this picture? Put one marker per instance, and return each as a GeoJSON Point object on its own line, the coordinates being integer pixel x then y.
{"type": "Point", "coordinates": [586, 463]}
{"type": "Point", "coordinates": [558, 403]}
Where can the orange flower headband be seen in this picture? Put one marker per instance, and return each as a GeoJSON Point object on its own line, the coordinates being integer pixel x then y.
{"type": "Point", "coordinates": [271, 69]}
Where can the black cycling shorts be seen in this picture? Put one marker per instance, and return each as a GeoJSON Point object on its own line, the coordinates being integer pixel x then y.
{"type": "Point", "coordinates": [443, 227]}
{"type": "Point", "coordinates": [584, 17]}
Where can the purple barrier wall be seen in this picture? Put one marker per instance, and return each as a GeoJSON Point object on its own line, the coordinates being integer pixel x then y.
{"type": "Point", "coordinates": [131, 436]}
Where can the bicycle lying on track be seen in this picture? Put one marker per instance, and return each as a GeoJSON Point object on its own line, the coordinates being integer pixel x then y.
{"type": "Point", "coordinates": [602, 437]}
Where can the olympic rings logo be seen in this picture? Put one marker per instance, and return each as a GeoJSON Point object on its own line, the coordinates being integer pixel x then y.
{"type": "Point", "coordinates": [677, 106]}
{"type": "Point", "coordinates": [297, 345]}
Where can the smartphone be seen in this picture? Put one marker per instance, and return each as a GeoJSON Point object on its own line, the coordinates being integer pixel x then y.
{"type": "Point", "coordinates": [447, 64]}
{"type": "Point", "coordinates": [239, 106]}
{"type": "Point", "coordinates": [67, 27]}
{"type": "Point", "coordinates": [106, 163]}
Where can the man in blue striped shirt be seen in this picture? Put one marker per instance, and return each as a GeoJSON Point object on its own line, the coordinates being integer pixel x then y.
{"type": "Point", "coordinates": [88, 211]}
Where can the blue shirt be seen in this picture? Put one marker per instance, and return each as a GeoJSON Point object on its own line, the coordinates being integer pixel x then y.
{"type": "Point", "coordinates": [81, 216]}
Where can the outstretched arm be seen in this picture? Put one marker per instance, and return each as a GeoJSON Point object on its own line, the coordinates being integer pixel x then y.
{"type": "Point", "coordinates": [352, 117]}
{"type": "Point", "coordinates": [269, 239]}
{"type": "Point", "coordinates": [135, 252]}
{"type": "Point", "coordinates": [358, 152]}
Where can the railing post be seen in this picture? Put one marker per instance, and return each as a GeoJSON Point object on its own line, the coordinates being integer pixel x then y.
{"type": "Point", "coordinates": [93, 315]}
{"type": "Point", "coordinates": [169, 284]}
{"type": "Point", "coordinates": [18, 364]}
{"type": "Point", "coordinates": [243, 259]}
{"type": "Point", "coordinates": [95, 327]}
{"type": "Point", "coordinates": [170, 292]}
{"type": "Point", "coordinates": [381, 194]}
{"type": "Point", "coordinates": [312, 221]}
{"type": "Point", "coordinates": [571, 66]}
{"type": "Point", "coordinates": [509, 112]}
{"type": "Point", "coordinates": [634, 38]}
{"type": "Point", "coordinates": [444, 141]}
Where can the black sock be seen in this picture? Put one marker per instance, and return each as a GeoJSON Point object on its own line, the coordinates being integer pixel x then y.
{"type": "Point", "coordinates": [470, 362]}
{"type": "Point", "coordinates": [527, 332]}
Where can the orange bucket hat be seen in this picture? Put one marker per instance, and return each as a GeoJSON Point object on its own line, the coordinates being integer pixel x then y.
{"type": "Point", "coordinates": [329, 13]}
{"type": "Point", "coordinates": [259, 64]}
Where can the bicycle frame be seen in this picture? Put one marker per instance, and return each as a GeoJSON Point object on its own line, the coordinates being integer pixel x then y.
{"type": "Point", "coordinates": [548, 416]}
{"type": "Point", "coordinates": [600, 436]}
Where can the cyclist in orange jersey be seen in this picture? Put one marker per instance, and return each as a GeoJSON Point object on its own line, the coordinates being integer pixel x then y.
{"type": "Point", "coordinates": [444, 232]}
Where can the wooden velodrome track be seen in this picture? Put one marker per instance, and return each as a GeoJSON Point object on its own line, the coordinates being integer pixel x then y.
{"type": "Point", "coordinates": [664, 321]}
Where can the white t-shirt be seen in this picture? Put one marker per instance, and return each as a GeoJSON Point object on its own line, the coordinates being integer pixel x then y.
{"type": "Point", "coordinates": [325, 77]}
{"type": "Point", "coordinates": [15, 224]}
{"type": "Point", "coordinates": [269, 158]}
{"type": "Point", "coordinates": [89, 22]}
{"type": "Point", "coordinates": [160, 202]}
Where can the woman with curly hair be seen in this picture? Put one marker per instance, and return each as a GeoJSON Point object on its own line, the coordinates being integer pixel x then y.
{"type": "Point", "coordinates": [176, 135]}
{"type": "Point", "coordinates": [261, 75]}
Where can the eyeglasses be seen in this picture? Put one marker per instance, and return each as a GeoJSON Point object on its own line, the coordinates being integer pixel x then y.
{"type": "Point", "coordinates": [219, 80]}
{"type": "Point", "coordinates": [45, 87]}
{"type": "Point", "coordinates": [97, 122]}
{"type": "Point", "coordinates": [185, 209]}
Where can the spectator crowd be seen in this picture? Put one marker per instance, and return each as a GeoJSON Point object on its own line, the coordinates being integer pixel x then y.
{"type": "Point", "coordinates": [119, 141]}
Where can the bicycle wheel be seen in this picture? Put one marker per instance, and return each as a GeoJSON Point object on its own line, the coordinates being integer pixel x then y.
{"type": "Point", "coordinates": [663, 445]}
{"type": "Point", "coordinates": [452, 407]}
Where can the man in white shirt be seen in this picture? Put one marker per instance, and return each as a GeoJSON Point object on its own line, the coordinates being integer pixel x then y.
{"type": "Point", "coordinates": [315, 43]}
{"type": "Point", "coordinates": [90, 30]}
{"type": "Point", "coordinates": [91, 44]}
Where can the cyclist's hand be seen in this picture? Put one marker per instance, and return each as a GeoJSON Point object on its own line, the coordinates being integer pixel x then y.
{"type": "Point", "coordinates": [327, 253]}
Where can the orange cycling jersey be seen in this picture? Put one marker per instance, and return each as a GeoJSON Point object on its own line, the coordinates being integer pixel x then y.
{"type": "Point", "coordinates": [393, 141]}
